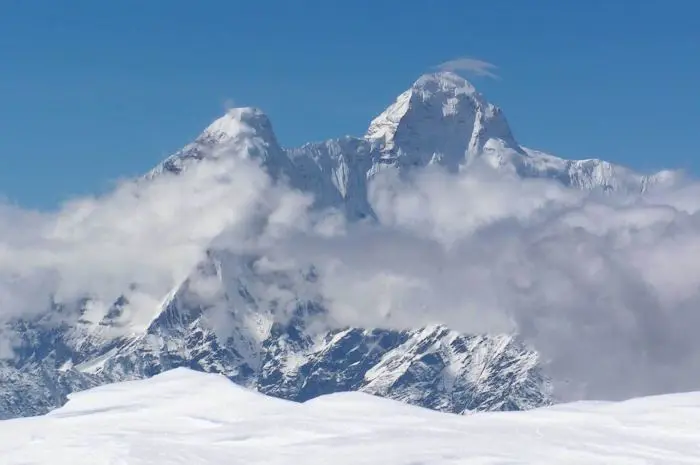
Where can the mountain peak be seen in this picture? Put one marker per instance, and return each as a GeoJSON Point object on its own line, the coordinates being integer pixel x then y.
{"type": "Point", "coordinates": [443, 82]}
{"type": "Point", "coordinates": [236, 122]}
{"type": "Point", "coordinates": [441, 119]}
{"type": "Point", "coordinates": [245, 132]}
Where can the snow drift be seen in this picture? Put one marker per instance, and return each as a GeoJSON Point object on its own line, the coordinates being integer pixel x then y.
{"type": "Point", "coordinates": [187, 417]}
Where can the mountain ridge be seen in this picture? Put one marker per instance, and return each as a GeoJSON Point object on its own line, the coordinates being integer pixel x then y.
{"type": "Point", "coordinates": [441, 120]}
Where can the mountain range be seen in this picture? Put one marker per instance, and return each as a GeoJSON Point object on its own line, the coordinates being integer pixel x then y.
{"type": "Point", "coordinates": [440, 120]}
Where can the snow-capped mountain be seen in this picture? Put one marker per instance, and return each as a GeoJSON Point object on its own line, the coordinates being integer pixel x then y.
{"type": "Point", "coordinates": [432, 367]}
{"type": "Point", "coordinates": [440, 120]}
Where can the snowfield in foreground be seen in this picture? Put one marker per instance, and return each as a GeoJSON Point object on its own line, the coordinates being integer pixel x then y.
{"type": "Point", "coordinates": [187, 417]}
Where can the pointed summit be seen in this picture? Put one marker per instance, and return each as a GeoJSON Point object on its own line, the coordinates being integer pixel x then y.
{"type": "Point", "coordinates": [441, 119]}
{"type": "Point", "coordinates": [242, 132]}
{"type": "Point", "coordinates": [237, 122]}
{"type": "Point", "coordinates": [443, 82]}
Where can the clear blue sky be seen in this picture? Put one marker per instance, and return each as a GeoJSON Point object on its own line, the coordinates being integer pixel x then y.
{"type": "Point", "coordinates": [91, 91]}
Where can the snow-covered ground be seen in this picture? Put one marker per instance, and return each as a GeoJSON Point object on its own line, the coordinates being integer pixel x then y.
{"type": "Point", "coordinates": [186, 417]}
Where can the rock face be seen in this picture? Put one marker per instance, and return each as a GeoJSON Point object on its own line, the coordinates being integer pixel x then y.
{"type": "Point", "coordinates": [440, 120]}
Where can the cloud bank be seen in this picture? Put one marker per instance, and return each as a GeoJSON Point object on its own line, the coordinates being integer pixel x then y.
{"type": "Point", "coordinates": [143, 239]}
{"type": "Point", "coordinates": [606, 288]}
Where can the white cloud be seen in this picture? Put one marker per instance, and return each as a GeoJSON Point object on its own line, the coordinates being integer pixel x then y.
{"type": "Point", "coordinates": [145, 235]}
{"type": "Point", "coordinates": [603, 287]}
{"type": "Point", "coordinates": [472, 66]}
{"type": "Point", "coordinates": [606, 288]}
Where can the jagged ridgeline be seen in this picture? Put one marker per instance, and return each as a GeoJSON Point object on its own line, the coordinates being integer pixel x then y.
{"type": "Point", "coordinates": [440, 120]}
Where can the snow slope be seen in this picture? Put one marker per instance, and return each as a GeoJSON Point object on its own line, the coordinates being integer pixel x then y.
{"type": "Point", "coordinates": [186, 417]}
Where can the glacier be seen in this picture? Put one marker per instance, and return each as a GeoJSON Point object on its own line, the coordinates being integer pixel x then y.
{"type": "Point", "coordinates": [441, 120]}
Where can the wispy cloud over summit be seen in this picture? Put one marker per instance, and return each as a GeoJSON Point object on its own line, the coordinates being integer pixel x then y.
{"type": "Point", "coordinates": [473, 66]}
